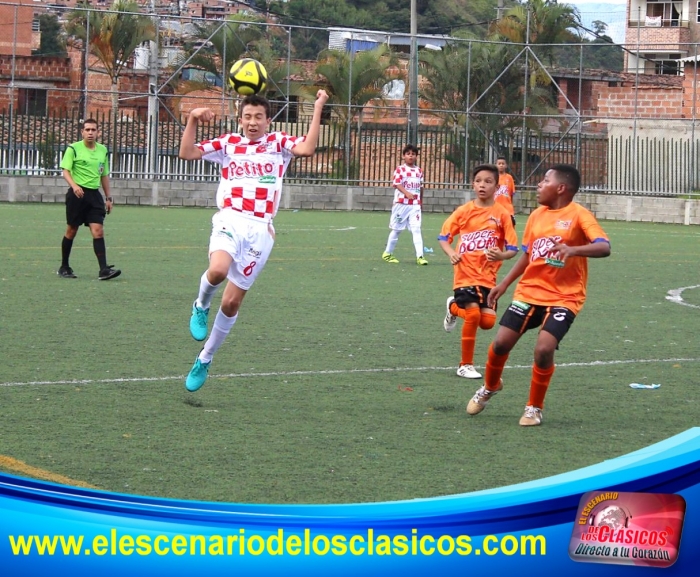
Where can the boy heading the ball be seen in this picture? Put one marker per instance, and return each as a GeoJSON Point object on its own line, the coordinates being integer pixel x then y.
{"type": "Point", "coordinates": [252, 168]}
{"type": "Point", "coordinates": [560, 236]}
{"type": "Point", "coordinates": [485, 238]}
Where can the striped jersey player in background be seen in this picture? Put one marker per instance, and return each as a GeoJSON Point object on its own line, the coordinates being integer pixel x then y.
{"type": "Point", "coordinates": [252, 167]}
{"type": "Point", "coordinates": [406, 211]}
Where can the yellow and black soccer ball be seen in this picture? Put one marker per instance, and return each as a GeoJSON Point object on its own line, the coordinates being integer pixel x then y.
{"type": "Point", "coordinates": [247, 76]}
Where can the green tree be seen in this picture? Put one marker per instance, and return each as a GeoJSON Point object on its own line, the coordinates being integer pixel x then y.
{"type": "Point", "coordinates": [237, 38]}
{"type": "Point", "coordinates": [355, 79]}
{"type": "Point", "coordinates": [226, 42]}
{"type": "Point", "coordinates": [352, 80]}
{"type": "Point", "coordinates": [540, 22]}
{"type": "Point", "coordinates": [485, 80]}
{"type": "Point", "coordinates": [113, 37]}
{"type": "Point", "coordinates": [308, 43]}
{"type": "Point", "coordinates": [52, 42]}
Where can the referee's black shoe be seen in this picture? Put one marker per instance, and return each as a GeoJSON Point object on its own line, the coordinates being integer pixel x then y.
{"type": "Point", "coordinates": [109, 272]}
{"type": "Point", "coordinates": [66, 272]}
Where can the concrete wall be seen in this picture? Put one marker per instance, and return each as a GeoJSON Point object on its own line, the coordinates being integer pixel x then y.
{"type": "Point", "coordinates": [329, 197]}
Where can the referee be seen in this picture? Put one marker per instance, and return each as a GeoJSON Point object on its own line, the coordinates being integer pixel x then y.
{"type": "Point", "coordinates": [85, 167]}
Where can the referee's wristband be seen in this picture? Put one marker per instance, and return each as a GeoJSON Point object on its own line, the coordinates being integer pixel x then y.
{"type": "Point", "coordinates": [109, 199]}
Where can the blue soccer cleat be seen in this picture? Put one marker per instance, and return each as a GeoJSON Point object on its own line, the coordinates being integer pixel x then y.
{"type": "Point", "coordinates": [199, 322]}
{"type": "Point", "coordinates": [198, 375]}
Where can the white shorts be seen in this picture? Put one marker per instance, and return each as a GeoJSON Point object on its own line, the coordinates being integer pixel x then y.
{"type": "Point", "coordinates": [249, 242]}
{"type": "Point", "coordinates": [405, 216]}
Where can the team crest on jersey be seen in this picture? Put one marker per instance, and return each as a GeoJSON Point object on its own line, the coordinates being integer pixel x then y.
{"type": "Point", "coordinates": [565, 224]}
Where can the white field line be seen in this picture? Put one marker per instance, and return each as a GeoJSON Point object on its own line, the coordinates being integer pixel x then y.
{"type": "Point", "coordinates": [333, 372]}
{"type": "Point", "coordinates": [675, 296]}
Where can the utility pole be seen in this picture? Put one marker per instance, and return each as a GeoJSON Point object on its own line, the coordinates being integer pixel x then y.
{"type": "Point", "coordinates": [499, 10]}
{"type": "Point", "coordinates": [153, 113]}
{"type": "Point", "coordinates": [413, 81]}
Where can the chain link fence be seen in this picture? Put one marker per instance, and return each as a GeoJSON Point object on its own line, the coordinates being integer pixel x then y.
{"type": "Point", "coordinates": [537, 105]}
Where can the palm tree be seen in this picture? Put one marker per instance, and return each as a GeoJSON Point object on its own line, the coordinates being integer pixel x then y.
{"type": "Point", "coordinates": [540, 22]}
{"type": "Point", "coordinates": [226, 43]}
{"type": "Point", "coordinates": [480, 79]}
{"type": "Point", "coordinates": [352, 81]}
{"type": "Point", "coordinates": [113, 37]}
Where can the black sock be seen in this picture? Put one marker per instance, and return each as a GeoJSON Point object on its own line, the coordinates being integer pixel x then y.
{"type": "Point", "coordinates": [98, 245]}
{"type": "Point", "coordinates": [66, 247]}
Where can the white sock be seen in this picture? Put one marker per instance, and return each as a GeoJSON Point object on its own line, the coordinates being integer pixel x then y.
{"type": "Point", "coordinates": [418, 242]}
{"type": "Point", "coordinates": [206, 292]}
{"type": "Point", "coordinates": [222, 327]}
{"type": "Point", "coordinates": [393, 239]}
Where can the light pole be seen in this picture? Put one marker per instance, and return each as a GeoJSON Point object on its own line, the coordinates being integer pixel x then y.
{"type": "Point", "coordinates": [413, 80]}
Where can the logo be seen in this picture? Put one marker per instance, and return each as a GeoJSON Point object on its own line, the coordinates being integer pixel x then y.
{"type": "Point", "coordinates": [543, 248]}
{"type": "Point", "coordinates": [502, 190]}
{"type": "Point", "coordinates": [253, 252]}
{"type": "Point", "coordinates": [247, 169]}
{"type": "Point", "coordinates": [565, 224]}
{"type": "Point", "coordinates": [554, 262]}
{"type": "Point", "coordinates": [520, 305]}
{"type": "Point", "coordinates": [269, 178]}
{"type": "Point", "coordinates": [224, 232]}
{"type": "Point", "coordinates": [641, 529]}
{"type": "Point", "coordinates": [560, 316]}
{"type": "Point", "coordinates": [478, 241]}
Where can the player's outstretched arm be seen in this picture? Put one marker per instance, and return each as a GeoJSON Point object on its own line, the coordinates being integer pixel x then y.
{"type": "Point", "coordinates": [188, 150]}
{"type": "Point", "coordinates": [308, 146]}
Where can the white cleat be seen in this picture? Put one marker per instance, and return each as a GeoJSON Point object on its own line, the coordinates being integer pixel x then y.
{"type": "Point", "coordinates": [450, 320]}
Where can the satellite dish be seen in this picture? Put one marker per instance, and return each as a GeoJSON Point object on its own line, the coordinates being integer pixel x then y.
{"type": "Point", "coordinates": [394, 90]}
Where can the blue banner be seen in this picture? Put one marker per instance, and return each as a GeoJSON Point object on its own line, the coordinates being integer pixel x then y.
{"type": "Point", "coordinates": [47, 528]}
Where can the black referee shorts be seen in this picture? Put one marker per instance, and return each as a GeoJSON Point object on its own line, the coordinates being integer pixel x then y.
{"type": "Point", "coordinates": [86, 210]}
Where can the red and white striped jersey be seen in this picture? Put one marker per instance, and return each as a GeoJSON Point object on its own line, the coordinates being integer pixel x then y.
{"type": "Point", "coordinates": [251, 171]}
{"type": "Point", "coordinates": [411, 178]}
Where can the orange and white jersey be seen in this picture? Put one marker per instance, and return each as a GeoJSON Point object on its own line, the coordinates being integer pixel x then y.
{"type": "Point", "coordinates": [547, 280]}
{"type": "Point", "coordinates": [411, 178]}
{"type": "Point", "coordinates": [251, 171]}
{"type": "Point", "coordinates": [505, 191]}
{"type": "Point", "coordinates": [477, 229]}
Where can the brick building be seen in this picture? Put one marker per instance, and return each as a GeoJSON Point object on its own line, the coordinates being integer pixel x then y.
{"type": "Point", "coordinates": [659, 33]}
{"type": "Point", "coordinates": [16, 38]}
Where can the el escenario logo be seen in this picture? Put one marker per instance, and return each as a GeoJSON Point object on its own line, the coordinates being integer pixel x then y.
{"type": "Point", "coordinates": [641, 529]}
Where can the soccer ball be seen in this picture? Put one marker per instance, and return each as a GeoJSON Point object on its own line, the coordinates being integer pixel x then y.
{"type": "Point", "coordinates": [247, 76]}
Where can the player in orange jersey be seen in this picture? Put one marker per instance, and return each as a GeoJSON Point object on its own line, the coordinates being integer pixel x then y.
{"type": "Point", "coordinates": [559, 238]}
{"type": "Point", "coordinates": [506, 187]}
{"type": "Point", "coordinates": [486, 238]}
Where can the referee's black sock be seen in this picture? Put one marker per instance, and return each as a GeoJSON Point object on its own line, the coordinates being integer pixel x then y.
{"type": "Point", "coordinates": [98, 245]}
{"type": "Point", "coordinates": [66, 247]}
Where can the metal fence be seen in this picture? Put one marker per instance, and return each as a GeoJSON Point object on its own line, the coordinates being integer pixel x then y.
{"type": "Point", "coordinates": [359, 144]}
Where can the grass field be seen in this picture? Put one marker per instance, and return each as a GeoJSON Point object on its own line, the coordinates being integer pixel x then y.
{"type": "Point", "coordinates": [338, 382]}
